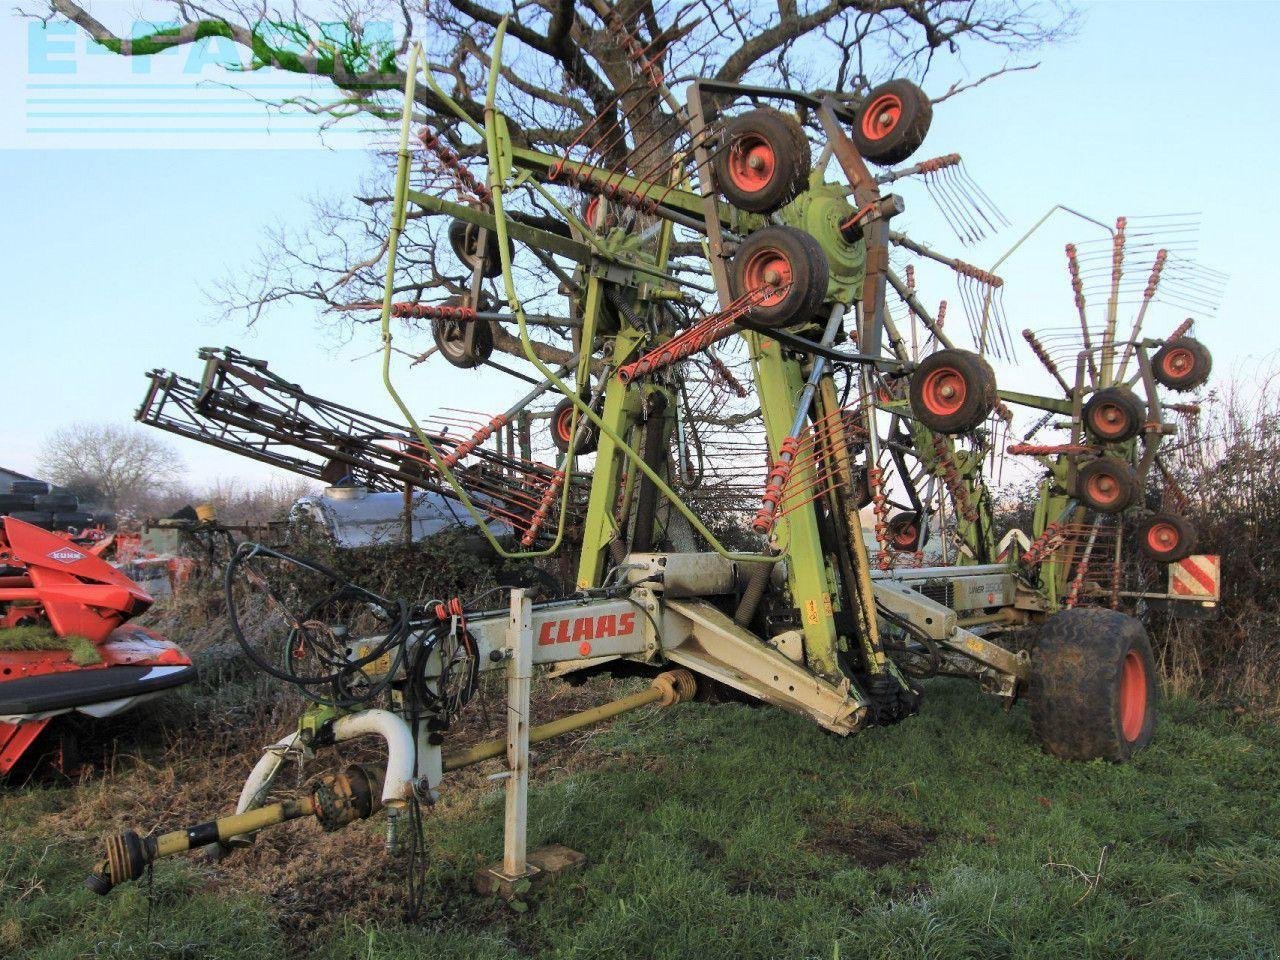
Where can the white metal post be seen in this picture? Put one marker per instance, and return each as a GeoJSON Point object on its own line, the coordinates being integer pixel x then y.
{"type": "Point", "coordinates": [428, 768]}
{"type": "Point", "coordinates": [519, 674]}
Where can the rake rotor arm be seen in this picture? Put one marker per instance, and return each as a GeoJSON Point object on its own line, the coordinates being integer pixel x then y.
{"type": "Point", "coordinates": [1051, 404]}
{"type": "Point", "coordinates": [913, 302]}
{"type": "Point", "coordinates": [674, 202]}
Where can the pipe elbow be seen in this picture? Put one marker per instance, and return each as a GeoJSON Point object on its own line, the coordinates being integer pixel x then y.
{"type": "Point", "coordinates": [397, 788]}
{"type": "Point", "coordinates": [263, 772]}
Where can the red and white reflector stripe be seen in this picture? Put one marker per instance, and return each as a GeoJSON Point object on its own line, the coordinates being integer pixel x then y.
{"type": "Point", "coordinates": [1197, 577]}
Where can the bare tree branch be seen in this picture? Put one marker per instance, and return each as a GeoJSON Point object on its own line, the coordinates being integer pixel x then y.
{"type": "Point", "coordinates": [960, 87]}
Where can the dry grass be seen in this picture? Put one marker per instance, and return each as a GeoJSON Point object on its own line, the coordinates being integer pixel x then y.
{"type": "Point", "coordinates": [1228, 477]}
{"type": "Point", "coordinates": [305, 876]}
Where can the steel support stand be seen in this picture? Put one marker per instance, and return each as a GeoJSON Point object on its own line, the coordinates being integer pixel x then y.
{"type": "Point", "coordinates": [519, 673]}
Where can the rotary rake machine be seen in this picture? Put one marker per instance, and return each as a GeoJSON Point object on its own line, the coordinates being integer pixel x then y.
{"type": "Point", "coordinates": [735, 370]}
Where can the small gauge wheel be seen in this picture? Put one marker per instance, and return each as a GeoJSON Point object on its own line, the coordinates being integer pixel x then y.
{"type": "Point", "coordinates": [1107, 484]}
{"type": "Point", "coordinates": [892, 122]}
{"type": "Point", "coordinates": [1182, 364]}
{"type": "Point", "coordinates": [953, 391]}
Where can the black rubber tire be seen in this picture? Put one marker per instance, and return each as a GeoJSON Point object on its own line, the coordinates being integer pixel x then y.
{"type": "Point", "coordinates": [14, 501]}
{"type": "Point", "coordinates": [599, 210]}
{"type": "Point", "coordinates": [1114, 414]}
{"type": "Point", "coordinates": [72, 520]}
{"type": "Point", "coordinates": [777, 134]}
{"type": "Point", "coordinates": [905, 136]}
{"type": "Point", "coordinates": [57, 502]}
{"type": "Point", "coordinates": [861, 487]}
{"type": "Point", "coordinates": [449, 334]}
{"type": "Point", "coordinates": [903, 532]}
{"type": "Point", "coordinates": [39, 518]}
{"type": "Point", "coordinates": [803, 256]}
{"type": "Point", "coordinates": [953, 369]}
{"type": "Point", "coordinates": [561, 417]}
{"type": "Point", "coordinates": [1153, 537]}
{"type": "Point", "coordinates": [463, 238]}
{"type": "Point", "coordinates": [1108, 485]}
{"type": "Point", "coordinates": [1078, 669]}
{"type": "Point", "coordinates": [29, 488]}
{"type": "Point", "coordinates": [1182, 364]}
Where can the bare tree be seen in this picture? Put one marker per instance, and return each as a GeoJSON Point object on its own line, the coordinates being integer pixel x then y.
{"type": "Point", "coordinates": [572, 66]}
{"type": "Point", "coordinates": [122, 466]}
{"type": "Point", "coordinates": [255, 503]}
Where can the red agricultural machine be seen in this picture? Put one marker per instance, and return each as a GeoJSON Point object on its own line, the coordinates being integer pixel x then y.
{"type": "Point", "coordinates": [66, 645]}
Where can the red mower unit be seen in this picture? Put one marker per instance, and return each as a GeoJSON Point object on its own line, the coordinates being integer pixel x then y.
{"type": "Point", "coordinates": [65, 641]}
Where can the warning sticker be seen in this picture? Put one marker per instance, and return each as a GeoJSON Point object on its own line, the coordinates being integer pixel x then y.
{"type": "Point", "coordinates": [1198, 577]}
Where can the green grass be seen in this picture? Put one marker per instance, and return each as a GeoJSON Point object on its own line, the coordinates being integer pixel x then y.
{"type": "Point", "coordinates": [739, 833]}
{"type": "Point", "coordinates": [83, 652]}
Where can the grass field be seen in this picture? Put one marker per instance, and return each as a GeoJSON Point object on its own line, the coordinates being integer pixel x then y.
{"type": "Point", "coordinates": [712, 831]}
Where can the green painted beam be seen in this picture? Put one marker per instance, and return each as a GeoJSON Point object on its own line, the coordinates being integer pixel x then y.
{"type": "Point", "coordinates": [779, 383]}
{"type": "Point", "coordinates": [532, 236]}
{"type": "Point", "coordinates": [1051, 404]}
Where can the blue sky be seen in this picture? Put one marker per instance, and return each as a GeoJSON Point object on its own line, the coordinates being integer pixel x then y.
{"type": "Point", "coordinates": [1153, 108]}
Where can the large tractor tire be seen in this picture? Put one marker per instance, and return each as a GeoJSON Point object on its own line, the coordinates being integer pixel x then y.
{"type": "Point", "coordinates": [1093, 685]}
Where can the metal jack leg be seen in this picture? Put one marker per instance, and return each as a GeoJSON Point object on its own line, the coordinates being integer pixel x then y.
{"type": "Point", "coordinates": [517, 864]}
{"type": "Point", "coordinates": [519, 673]}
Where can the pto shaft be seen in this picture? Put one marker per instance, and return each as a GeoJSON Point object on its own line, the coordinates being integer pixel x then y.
{"type": "Point", "coordinates": [335, 801]}
{"type": "Point", "coordinates": [668, 688]}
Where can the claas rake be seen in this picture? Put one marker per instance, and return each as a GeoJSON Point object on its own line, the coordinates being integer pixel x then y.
{"type": "Point", "coordinates": [728, 393]}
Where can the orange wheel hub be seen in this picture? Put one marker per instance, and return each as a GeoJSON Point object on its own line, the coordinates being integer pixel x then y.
{"type": "Point", "coordinates": [881, 116]}
{"type": "Point", "coordinates": [1110, 420]}
{"type": "Point", "coordinates": [564, 424]}
{"type": "Point", "coordinates": [768, 269]}
{"type": "Point", "coordinates": [1163, 537]}
{"type": "Point", "coordinates": [944, 391]}
{"type": "Point", "coordinates": [1103, 489]}
{"type": "Point", "coordinates": [1133, 696]}
{"type": "Point", "coordinates": [752, 162]}
{"type": "Point", "coordinates": [1178, 362]}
